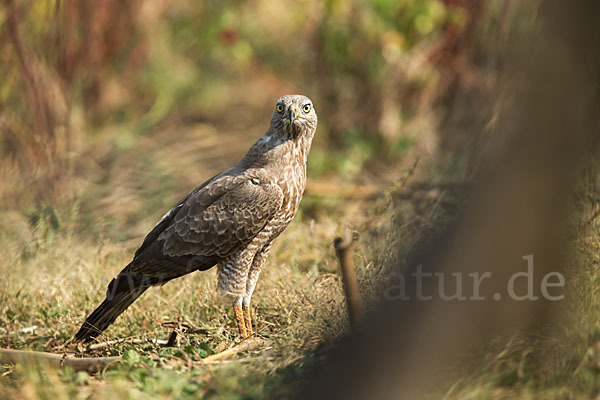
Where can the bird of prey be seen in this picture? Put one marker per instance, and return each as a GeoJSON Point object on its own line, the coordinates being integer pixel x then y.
{"type": "Point", "coordinates": [229, 221]}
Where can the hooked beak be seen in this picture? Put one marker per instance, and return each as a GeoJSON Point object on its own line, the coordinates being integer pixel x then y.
{"type": "Point", "coordinates": [292, 113]}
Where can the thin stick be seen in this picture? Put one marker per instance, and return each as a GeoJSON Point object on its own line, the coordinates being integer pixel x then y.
{"type": "Point", "coordinates": [89, 364]}
{"type": "Point", "coordinates": [343, 249]}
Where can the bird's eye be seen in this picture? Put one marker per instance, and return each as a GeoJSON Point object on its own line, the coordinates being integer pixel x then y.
{"type": "Point", "coordinates": [306, 108]}
{"type": "Point", "coordinates": [280, 108]}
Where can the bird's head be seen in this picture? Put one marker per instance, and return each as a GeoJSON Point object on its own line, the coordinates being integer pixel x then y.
{"type": "Point", "coordinates": [294, 116]}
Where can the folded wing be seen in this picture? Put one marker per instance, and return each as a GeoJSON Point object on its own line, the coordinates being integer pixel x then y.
{"type": "Point", "coordinates": [215, 220]}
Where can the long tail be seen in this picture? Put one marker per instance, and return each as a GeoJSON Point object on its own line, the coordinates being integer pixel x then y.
{"type": "Point", "coordinates": [122, 292]}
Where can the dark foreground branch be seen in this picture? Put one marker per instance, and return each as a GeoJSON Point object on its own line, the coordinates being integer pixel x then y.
{"type": "Point", "coordinates": [343, 249]}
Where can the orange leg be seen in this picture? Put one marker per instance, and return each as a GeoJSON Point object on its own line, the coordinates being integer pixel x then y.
{"type": "Point", "coordinates": [239, 318]}
{"type": "Point", "coordinates": [248, 320]}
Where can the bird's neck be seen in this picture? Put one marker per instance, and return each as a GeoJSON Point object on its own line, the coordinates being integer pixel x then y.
{"type": "Point", "coordinates": [300, 147]}
{"type": "Point", "coordinates": [273, 150]}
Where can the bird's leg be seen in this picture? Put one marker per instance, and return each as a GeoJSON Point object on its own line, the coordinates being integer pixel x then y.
{"type": "Point", "coordinates": [250, 285]}
{"type": "Point", "coordinates": [237, 280]}
{"type": "Point", "coordinates": [247, 320]}
{"type": "Point", "coordinates": [232, 278]}
{"type": "Point", "coordinates": [257, 263]}
{"type": "Point", "coordinates": [239, 319]}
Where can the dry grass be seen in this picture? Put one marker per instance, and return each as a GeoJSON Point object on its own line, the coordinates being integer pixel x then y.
{"type": "Point", "coordinates": [55, 272]}
{"type": "Point", "coordinates": [298, 304]}
{"type": "Point", "coordinates": [57, 261]}
{"type": "Point", "coordinates": [58, 255]}
{"type": "Point", "coordinates": [136, 145]}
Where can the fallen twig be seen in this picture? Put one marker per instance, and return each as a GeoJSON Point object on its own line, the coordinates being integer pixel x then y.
{"type": "Point", "coordinates": [29, 329]}
{"type": "Point", "coordinates": [247, 345]}
{"type": "Point", "coordinates": [89, 364]}
{"type": "Point", "coordinates": [95, 364]}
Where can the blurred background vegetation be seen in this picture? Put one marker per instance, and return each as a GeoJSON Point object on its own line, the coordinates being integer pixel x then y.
{"type": "Point", "coordinates": [114, 110]}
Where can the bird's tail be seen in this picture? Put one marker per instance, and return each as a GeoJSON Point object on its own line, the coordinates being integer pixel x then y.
{"type": "Point", "coordinates": [122, 292]}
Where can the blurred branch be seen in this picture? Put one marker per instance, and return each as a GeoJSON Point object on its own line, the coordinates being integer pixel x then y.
{"type": "Point", "coordinates": [327, 189]}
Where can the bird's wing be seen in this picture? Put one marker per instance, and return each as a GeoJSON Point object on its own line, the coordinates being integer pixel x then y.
{"type": "Point", "coordinates": [219, 218]}
{"type": "Point", "coordinates": [168, 218]}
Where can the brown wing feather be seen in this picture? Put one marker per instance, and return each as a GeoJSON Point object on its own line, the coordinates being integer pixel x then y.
{"type": "Point", "coordinates": [211, 223]}
{"type": "Point", "coordinates": [167, 219]}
